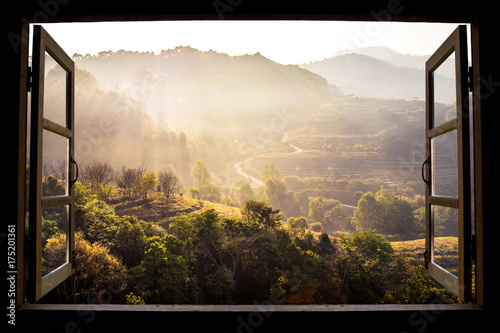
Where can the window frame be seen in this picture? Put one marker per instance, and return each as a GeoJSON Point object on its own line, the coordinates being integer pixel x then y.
{"type": "Point", "coordinates": [40, 285]}
{"type": "Point", "coordinates": [23, 83]}
{"type": "Point", "coordinates": [461, 285]}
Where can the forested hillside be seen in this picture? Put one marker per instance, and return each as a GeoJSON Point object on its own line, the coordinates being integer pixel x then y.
{"type": "Point", "coordinates": [216, 255]}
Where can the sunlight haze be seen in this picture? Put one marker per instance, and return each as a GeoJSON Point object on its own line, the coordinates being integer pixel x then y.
{"type": "Point", "coordinates": [286, 42]}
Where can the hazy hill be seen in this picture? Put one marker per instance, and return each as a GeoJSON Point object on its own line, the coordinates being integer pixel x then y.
{"type": "Point", "coordinates": [181, 105]}
{"type": "Point", "coordinates": [108, 125]}
{"type": "Point", "coordinates": [389, 55]}
{"type": "Point", "coordinates": [380, 72]}
{"type": "Point", "coordinates": [189, 86]}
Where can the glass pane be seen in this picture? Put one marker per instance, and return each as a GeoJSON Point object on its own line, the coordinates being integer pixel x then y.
{"type": "Point", "coordinates": [54, 164]}
{"type": "Point", "coordinates": [445, 167]}
{"type": "Point", "coordinates": [445, 222]}
{"type": "Point", "coordinates": [445, 108]}
{"type": "Point", "coordinates": [54, 231]}
{"type": "Point", "coordinates": [54, 99]}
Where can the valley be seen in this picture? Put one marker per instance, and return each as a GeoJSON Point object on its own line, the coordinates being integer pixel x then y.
{"type": "Point", "coordinates": [206, 176]}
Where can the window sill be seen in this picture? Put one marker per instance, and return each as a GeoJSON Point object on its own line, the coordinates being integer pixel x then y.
{"type": "Point", "coordinates": [250, 308]}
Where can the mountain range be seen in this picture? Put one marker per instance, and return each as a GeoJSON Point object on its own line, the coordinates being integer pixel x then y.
{"type": "Point", "coordinates": [381, 72]}
{"type": "Point", "coordinates": [183, 81]}
{"type": "Point", "coordinates": [186, 85]}
{"type": "Point", "coordinates": [184, 104]}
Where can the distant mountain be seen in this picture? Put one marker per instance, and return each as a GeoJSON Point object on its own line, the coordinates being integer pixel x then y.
{"type": "Point", "coordinates": [389, 55]}
{"type": "Point", "coordinates": [382, 73]}
{"type": "Point", "coordinates": [399, 59]}
{"type": "Point", "coordinates": [185, 85]}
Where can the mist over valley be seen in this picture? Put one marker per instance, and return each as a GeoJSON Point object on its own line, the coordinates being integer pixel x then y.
{"type": "Point", "coordinates": [240, 113]}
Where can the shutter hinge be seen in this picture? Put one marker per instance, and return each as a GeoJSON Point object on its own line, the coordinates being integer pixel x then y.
{"type": "Point", "coordinates": [470, 79]}
{"type": "Point", "coordinates": [426, 258]}
{"type": "Point", "coordinates": [29, 79]}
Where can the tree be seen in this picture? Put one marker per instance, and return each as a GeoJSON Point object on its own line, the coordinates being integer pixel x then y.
{"type": "Point", "coordinates": [368, 215]}
{"type": "Point", "coordinates": [316, 210]}
{"type": "Point", "coordinates": [408, 284]}
{"type": "Point", "coordinates": [320, 191]}
{"type": "Point", "coordinates": [298, 222]}
{"type": "Point", "coordinates": [144, 183]}
{"type": "Point", "coordinates": [195, 193]}
{"type": "Point", "coordinates": [338, 218]}
{"type": "Point", "coordinates": [182, 226]}
{"type": "Point", "coordinates": [99, 223]}
{"type": "Point", "coordinates": [169, 182]}
{"type": "Point", "coordinates": [126, 179]}
{"type": "Point", "coordinates": [49, 229]}
{"type": "Point", "coordinates": [96, 273]}
{"type": "Point", "coordinates": [269, 170]}
{"type": "Point", "coordinates": [258, 212]}
{"type": "Point", "coordinates": [212, 192]}
{"type": "Point", "coordinates": [162, 277]}
{"type": "Point", "coordinates": [129, 242]}
{"type": "Point", "coordinates": [52, 186]}
{"type": "Point", "coordinates": [316, 226]}
{"type": "Point", "coordinates": [200, 175]}
{"type": "Point", "coordinates": [445, 221]}
{"type": "Point", "coordinates": [220, 286]}
{"type": "Point", "coordinates": [364, 265]}
{"type": "Point", "coordinates": [387, 213]}
{"type": "Point", "coordinates": [374, 247]}
{"type": "Point", "coordinates": [246, 193]}
{"type": "Point", "coordinates": [275, 194]}
{"type": "Point", "coordinates": [303, 202]}
{"type": "Point", "coordinates": [183, 150]}
{"type": "Point", "coordinates": [97, 173]}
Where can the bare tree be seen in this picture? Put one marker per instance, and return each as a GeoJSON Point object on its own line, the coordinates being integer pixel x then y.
{"type": "Point", "coordinates": [127, 177]}
{"type": "Point", "coordinates": [169, 182]}
{"type": "Point", "coordinates": [97, 173]}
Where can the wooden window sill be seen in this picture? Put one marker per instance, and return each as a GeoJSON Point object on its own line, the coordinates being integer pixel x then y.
{"type": "Point", "coordinates": [250, 308]}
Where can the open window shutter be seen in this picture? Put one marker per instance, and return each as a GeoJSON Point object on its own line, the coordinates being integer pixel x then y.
{"type": "Point", "coordinates": [447, 167]}
{"type": "Point", "coordinates": [52, 170]}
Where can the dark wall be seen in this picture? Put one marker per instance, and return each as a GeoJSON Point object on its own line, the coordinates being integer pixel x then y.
{"type": "Point", "coordinates": [418, 10]}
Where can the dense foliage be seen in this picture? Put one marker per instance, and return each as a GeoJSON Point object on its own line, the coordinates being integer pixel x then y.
{"type": "Point", "coordinates": [209, 259]}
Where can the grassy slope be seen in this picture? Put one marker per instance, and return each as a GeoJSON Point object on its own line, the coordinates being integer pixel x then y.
{"type": "Point", "coordinates": [445, 253]}
{"type": "Point", "coordinates": [156, 209]}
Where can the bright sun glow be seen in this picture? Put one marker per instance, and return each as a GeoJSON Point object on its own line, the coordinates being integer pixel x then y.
{"type": "Point", "coordinates": [286, 42]}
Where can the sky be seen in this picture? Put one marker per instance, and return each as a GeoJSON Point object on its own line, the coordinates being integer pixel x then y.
{"type": "Point", "coordinates": [286, 42]}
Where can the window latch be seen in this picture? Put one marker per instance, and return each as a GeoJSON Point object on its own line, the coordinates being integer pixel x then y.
{"type": "Point", "coordinates": [423, 172]}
